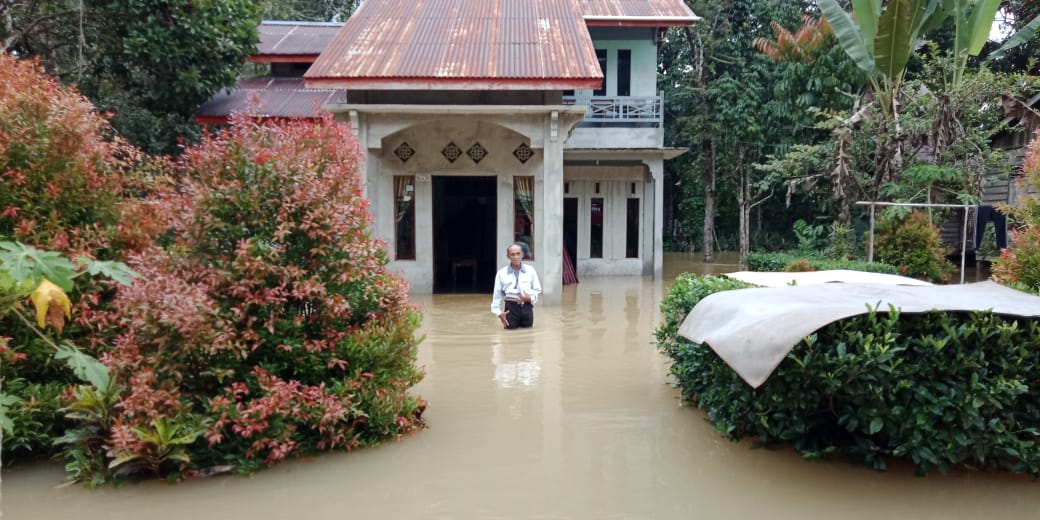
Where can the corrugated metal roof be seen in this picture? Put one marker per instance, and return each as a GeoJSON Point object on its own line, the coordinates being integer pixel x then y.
{"type": "Point", "coordinates": [268, 97]}
{"type": "Point", "coordinates": [280, 39]}
{"type": "Point", "coordinates": [637, 12]}
{"type": "Point", "coordinates": [452, 44]}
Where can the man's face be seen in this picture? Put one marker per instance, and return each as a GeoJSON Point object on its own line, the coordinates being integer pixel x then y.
{"type": "Point", "coordinates": [515, 255]}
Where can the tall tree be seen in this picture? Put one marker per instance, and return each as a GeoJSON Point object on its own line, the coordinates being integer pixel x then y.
{"type": "Point", "coordinates": [148, 62]}
{"type": "Point", "coordinates": [882, 37]}
{"type": "Point", "coordinates": [308, 10]}
{"type": "Point", "coordinates": [722, 91]}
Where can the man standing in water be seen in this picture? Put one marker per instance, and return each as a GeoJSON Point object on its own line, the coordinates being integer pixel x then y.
{"type": "Point", "coordinates": [517, 285]}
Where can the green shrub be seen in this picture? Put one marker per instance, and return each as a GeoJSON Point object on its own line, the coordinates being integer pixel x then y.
{"type": "Point", "coordinates": [1019, 264]}
{"type": "Point", "coordinates": [268, 326]}
{"type": "Point", "coordinates": [800, 265]}
{"type": "Point", "coordinates": [775, 262]}
{"type": "Point", "coordinates": [912, 243]}
{"type": "Point", "coordinates": [937, 389]}
{"type": "Point", "coordinates": [63, 179]}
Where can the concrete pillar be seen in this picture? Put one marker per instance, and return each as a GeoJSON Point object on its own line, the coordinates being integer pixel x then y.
{"type": "Point", "coordinates": [654, 215]}
{"type": "Point", "coordinates": [549, 251]}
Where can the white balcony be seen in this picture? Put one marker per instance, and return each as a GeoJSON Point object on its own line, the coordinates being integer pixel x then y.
{"type": "Point", "coordinates": [620, 111]}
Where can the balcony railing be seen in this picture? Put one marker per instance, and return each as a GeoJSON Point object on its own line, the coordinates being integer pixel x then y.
{"type": "Point", "coordinates": [624, 110]}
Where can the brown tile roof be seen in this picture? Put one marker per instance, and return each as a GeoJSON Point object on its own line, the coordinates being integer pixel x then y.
{"type": "Point", "coordinates": [487, 44]}
{"type": "Point", "coordinates": [293, 41]}
{"type": "Point", "coordinates": [268, 97]}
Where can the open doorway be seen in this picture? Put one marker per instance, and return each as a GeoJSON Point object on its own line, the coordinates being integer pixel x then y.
{"type": "Point", "coordinates": [570, 235]}
{"type": "Point", "coordinates": [464, 226]}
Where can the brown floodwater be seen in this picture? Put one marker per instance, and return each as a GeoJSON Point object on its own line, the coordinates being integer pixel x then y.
{"type": "Point", "coordinates": [572, 419]}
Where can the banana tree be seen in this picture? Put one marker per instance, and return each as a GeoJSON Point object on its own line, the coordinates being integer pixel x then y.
{"type": "Point", "coordinates": [882, 36]}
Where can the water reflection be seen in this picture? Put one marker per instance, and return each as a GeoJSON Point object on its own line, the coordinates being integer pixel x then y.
{"type": "Point", "coordinates": [514, 367]}
{"type": "Point", "coordinates": [568, 420]}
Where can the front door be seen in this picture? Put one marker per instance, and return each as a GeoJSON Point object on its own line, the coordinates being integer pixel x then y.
{"type": "Point", "coordinates": [464, 226]}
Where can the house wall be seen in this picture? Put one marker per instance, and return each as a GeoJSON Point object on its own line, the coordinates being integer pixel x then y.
{"type": "Point", "coordinates": [644, 58]}
{"type": "Point", "coordinates": [617, 183]}
{"type": "Point", "coordinates": [427, 135]}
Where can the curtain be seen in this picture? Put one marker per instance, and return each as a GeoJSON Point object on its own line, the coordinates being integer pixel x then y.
{"type": "Point", "coordinates": [524, 187]}
{"type": "Point", "coordinates": [402, 197]}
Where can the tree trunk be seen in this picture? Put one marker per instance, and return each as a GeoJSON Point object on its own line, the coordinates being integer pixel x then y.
{"type": "Point", "coordinates": [745, 205]}
{"type": "Point", "coordinates": [708, 177]}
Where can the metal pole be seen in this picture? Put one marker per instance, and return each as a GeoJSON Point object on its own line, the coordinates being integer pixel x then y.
{"type": "Point", "coordinates": [964, 242]}
{"type": "Point", "coordinates": [870, 246]}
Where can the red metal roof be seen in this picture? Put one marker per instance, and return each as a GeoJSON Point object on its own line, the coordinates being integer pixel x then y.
{"type": "Point", "coordinates": [656, 13]}
{"type": "Point", "coordinates": [293, 41]}
{"type": "Point", "coordinates": [268, 97]}
{"type": "Point", "coordinates": [464, 44]}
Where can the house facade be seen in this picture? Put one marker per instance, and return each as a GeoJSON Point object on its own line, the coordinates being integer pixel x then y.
{"type": "Point", "coordinates": [491, 122]}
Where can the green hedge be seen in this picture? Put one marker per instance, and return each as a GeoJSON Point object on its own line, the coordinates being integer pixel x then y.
{"type": "Point", "coordinates": [768, 262]}
{"type": "Point", "coordinates": [938, 389]}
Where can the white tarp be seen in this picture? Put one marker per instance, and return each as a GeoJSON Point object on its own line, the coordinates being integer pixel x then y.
{"type": "Point", "coordinates": [781, 279]}
{"type": "Point", "coordinates": [752, 330]}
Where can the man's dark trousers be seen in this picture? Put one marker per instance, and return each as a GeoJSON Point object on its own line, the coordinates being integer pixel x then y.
{"type": "Point", "coordinates": [521, 314]}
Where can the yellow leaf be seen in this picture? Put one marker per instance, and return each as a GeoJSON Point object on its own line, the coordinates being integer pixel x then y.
{"type": "Point", "coordinates": [46, 294]}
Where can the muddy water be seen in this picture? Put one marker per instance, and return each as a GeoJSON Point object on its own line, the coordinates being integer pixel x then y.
{"type": "Point", "coordinates": [569, 420]}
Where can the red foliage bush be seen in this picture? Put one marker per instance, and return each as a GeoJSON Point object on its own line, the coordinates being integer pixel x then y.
{"type": "Point", "coordinates": [1019, 264]}
{"type": "Point", "coordinates": [267, 318]}
{"type": "Point", "coordinates": [62, 172]}
{"type": "Point", "coordinates": [64, 177]}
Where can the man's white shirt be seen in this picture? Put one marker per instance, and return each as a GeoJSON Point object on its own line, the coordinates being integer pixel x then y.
{"type": "Point", "coordinates": [512, 283]}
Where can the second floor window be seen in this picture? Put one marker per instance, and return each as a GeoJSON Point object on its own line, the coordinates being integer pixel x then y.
{"type": "Point", "coordinates": [624, 72]}
{"type": "Point", "coordinates": [601, 55]}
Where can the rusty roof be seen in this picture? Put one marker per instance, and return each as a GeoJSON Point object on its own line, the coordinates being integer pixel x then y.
{"type": "Point", "coordinates": [490, 44]}
{"type": "Point", "coordinates": [657, 13]}
{"type": "Point", "coordinates": [268, 97]}
{"type": "Point", "coordinates": [293, 41]}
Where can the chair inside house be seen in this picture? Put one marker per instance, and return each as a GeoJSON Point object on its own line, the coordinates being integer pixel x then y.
{"type": "Point", "coordinates": [463, 263]}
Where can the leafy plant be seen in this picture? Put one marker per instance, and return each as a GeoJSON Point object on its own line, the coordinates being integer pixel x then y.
{"type": "Point", "coordinates": [280, 328]}
{"type": "Point", "coordinates": [811, 237]}
{"type": "Point", "coordinates": [939, 390]}
{"type": "Point", "coordinates": [161, 443]}
{"type": "Point", "coordinates": [31, 416]}
{"type": "Point", "coordinates": [912, 244]}
{"type": "Point", "coordinates": [773, 262]}
{"type": "Point", "coordinates": [1019, 264]}
{"type": "Point", "coordinates": [800, 265]}
{"type": "Point", "coordinates": [842, 242]}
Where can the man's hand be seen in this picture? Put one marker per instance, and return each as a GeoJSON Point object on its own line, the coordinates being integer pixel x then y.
{"type": "Point", "coordinates": [502, 318]}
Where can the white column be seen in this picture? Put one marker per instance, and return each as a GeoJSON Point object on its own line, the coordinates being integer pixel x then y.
{"type": "Point", "coordinates": [549, 213]}
{"type": "Point", "coordinates": [653, 198]}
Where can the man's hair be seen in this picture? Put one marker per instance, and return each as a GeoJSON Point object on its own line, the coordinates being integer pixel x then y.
{"type": "Point", "coordinates": [524, 248]}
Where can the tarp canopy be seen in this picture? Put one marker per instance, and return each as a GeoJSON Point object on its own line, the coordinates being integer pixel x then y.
{"type": "Point", "coordinates": [781, 279]}
{"type": "Point", "coordinates": [752, 330]}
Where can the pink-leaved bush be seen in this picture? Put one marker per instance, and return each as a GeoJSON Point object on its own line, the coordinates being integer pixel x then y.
{"type": "Point", "coordinates": [265, 323]}
{"type": "Point", "coordinates": [1019, 264]}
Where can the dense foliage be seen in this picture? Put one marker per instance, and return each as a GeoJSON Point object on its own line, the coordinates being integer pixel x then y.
{"type": "Point", "coordinates": [772, 262]}
{"type": "Point", "coordinates": [264, 324]}
{"type": "Point", "coordinates": [150, 63]}
{"type": "Point", "coordinates": [939, 390]}
{"type": "Point", "coordinates": [804, 133]}
{"type": "Point", "coordinates": [911, 243]}
{"type": "Point", "coordinates": [279, 329]}
{"type": "Point", "coordinates": [1019, 264]}
{"type": "Point", "coordinates": [62, 188]}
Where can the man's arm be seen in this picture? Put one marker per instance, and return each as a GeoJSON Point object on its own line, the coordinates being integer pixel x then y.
{"type": "Point", "coordinates": [496, 298]}
{"type": "Point", "coordinates": [536, 287]}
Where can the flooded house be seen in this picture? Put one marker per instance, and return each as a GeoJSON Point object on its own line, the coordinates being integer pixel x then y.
{"type": "Point", "coordinates": [486, 123]}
